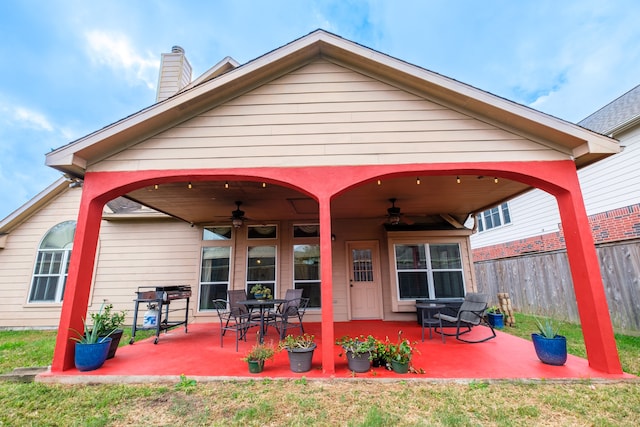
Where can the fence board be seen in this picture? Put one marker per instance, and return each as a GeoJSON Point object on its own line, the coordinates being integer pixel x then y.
{"type": "Point", "coordinates": [541, 284]}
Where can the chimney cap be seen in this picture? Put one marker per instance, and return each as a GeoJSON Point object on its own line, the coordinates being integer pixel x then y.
{"type": "Point", "coordinates": [177, 49]}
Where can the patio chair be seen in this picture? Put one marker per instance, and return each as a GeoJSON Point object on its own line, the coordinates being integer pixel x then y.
{"type": "Point", "coordinates": [470, 314]}
{"type": "Point", "coordinates": [289, 315]}
{"type": "Point", "coordinates": [231, 320]}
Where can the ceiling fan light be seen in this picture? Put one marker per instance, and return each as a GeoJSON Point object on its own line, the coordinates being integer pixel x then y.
{"type": "Point", "coordinates": [236, 222]}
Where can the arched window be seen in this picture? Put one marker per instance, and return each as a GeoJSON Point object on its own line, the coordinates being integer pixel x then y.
{"type": "Point", "coordinates": [52, 264]}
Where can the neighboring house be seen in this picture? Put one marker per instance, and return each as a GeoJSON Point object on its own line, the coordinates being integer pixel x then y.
{"type": "Point", "coordinates": [526, 233]}
{"type": "Point", "coordinates": [322, 165]}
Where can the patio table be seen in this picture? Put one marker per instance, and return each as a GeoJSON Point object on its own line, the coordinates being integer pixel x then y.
{"type": "Point", "coordinates": [263, 305]}
{"type": "Point", "coordinates": [428, 309]}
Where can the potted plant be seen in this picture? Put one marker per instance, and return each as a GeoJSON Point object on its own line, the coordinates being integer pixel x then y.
{"type": "Point", "coordinates": [110, 323]}
{"type": "Point", "coordinates": [550, 346]}
{"type": "Point", "coordinates": [495, 317]}
{"type": "Point", "coordinates": [300, 350]}
{"type": "Point", "coordinates": [260, 291]}
{"type": "Point", "coordinates": [380, 354]}
{"type": "Point", "coordinates": [91, 349]}
{"type": "Point", "coordinates": [256, 357]}
{"type": "Point", "coordinates": [358, 351]}
{"type": "Point", "coordinates": [400, 354]}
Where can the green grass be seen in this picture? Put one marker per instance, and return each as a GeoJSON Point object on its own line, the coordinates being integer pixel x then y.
{"type": "Point", "coordinates": [628, 346]}
{"type": "Point", "coordinates": [317, 403]}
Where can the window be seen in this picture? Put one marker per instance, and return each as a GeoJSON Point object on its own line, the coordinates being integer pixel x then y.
{"type": "Point", "coordinates": [214, 275]}
{"type": "Point", "coordinates": [495, 217]}
{"type": "Point", "coordinates": [216, 233]}
{"type": "Point", "coordinates": [306, 272]}
{"type": "Point", "coordinates": [52, 264]}
{"type": "Point", "coordinates": [262, 232]}
{"type": "Point", "coordinates": [261, 268]}
{"type": "Point", "coordinates": [429, 271]}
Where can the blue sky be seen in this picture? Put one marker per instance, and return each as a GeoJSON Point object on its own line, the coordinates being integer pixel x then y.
{"type": "Point", "coordinates": [68, 68]}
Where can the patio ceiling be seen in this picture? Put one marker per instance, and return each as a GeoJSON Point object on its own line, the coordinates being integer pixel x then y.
{"type": "Point", "coordinates": [210, 202]}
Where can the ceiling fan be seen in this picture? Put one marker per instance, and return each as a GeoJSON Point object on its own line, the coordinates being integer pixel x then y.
{"type": "Point", "coordinates": [237, 216]}
{"type": "Point", "coordinates": [393, 213]}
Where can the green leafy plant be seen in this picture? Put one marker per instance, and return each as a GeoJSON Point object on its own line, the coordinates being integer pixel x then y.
{"type": "Point", "coordinates": [547, 329]}
{"type": "Point", "coordinates": [381, 352]}
{"type": "Point", "coordinates": [186, 384]}
{"type": "Point", "coordinates": [357, 345]}
{"type": "Point", "coordinates": [107, 320]}
{"type": "Point", "coordinates": [402, 351]}
{"type": "Point", "coordinates": [260, 352]}
{"type": "Point", "coordinates": [494, 309]}
{"type": "Point", "coordinates": [299, 341]}
{"type": "Point", "coordinates": [259, 289]}
{"type": "Point", "coordinates": [91, 335]}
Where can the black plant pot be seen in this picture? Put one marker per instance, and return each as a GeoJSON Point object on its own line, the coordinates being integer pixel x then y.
{"type": "Point", "coordinates": [115, 342]}
{"type": "Point", "coordinates": [552, 351]}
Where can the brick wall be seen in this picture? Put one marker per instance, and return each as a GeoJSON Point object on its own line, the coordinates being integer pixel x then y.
{"type": "Point", "coordinates": [610, 226]}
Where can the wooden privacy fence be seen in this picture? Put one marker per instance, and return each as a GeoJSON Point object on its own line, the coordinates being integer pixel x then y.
{"type": "Point", "coordinates": [541, 283]}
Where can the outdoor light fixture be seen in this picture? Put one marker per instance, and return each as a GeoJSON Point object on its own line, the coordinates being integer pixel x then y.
{"type": "Point", "coordinates": [458, 179]}
{"type": "Point", "coordinates": [495, 180]}
{"type": "Point", "coordinates": [418, 180]}
{"type": "Point", "coordinates": [379, 182]}
{"type": "Point", "coordinates": [264, 185]}
{"type": "Point", "coordinates": [226, 184]}
{"type": "Point", "coordinates": [155, 187]}
{"type": "Point", "coordinates": [190, 186]}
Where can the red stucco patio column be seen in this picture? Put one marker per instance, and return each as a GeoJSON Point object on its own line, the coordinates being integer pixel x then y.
{"type": "Point", "coordinates": [76, 294]}
{"type": "Point", "coordinates": [326, 287]}
{"type": "Point", "coordinates": [591, 299]}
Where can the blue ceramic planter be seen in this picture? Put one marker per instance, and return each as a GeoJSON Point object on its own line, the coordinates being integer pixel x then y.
{"type": "Point", "coordinates": [496, 320]}
{"type": "Point", "coordinates": [91, 356]}
{"type": "Point", "coordinates": [552, 351]}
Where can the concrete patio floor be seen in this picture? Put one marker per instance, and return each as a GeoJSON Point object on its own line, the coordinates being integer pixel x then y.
{"type": "Point", "coordinates": [197, 354]}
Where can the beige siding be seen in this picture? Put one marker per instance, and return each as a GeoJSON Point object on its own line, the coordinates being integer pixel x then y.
{"type": "Point", "coordinates": [155, 253]}
{"type": "Point", "coordinates": [17, 262]}
{"type": "Point", "coordinates": [324, 114]}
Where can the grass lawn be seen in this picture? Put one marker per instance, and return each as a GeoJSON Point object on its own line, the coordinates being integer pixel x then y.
{"type": "Point", "coordinates": [302, 402]}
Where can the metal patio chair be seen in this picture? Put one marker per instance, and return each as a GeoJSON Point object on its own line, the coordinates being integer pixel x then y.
{"type": "Point", "coordinates": [471, 314]}
{"type": "Point", "coordinates": [231, 320]}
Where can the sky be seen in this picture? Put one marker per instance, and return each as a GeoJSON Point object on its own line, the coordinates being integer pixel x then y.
{"type": "Point", "coordinates": [71, 67]}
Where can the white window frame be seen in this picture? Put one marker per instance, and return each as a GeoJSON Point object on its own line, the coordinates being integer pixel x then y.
{"type": "Point", "coordinates": [59, 276]}
{"type": "Point", "coordinates": [498, 211]}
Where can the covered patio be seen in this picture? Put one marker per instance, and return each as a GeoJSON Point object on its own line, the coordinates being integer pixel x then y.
{"type": "Point", "coordinates": [197, 354]}
{"type": "Point", "coordinates": [324, 133]}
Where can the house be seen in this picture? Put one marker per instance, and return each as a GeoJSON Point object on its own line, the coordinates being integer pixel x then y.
{"type": "Point", "coordinates": [527, 233]}
{"type": "Point", "coordinates": [322, 165]}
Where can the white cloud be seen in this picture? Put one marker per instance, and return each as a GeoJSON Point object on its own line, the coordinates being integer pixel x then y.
{"type": "Point", "coordinates": [116, 52]}
{"type": "Point", "coordinates": [32, 118]}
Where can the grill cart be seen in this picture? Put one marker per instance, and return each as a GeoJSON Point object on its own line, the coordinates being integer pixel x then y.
{"type": "Point", "coordinates": [158, 299]}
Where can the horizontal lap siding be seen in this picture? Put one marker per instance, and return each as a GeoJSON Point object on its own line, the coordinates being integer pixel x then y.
{"type": "Point", "coordinates": [17, 261]}
{"type": "Point", "coordinates": [133, 254]}
{"type": "Point", "coordinates": [324, 114]}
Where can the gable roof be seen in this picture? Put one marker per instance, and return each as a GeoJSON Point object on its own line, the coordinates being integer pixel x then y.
{"type": "Point", "coordinates": [616, 116]}
{"type": "Point", "coordinates": [215, 88]}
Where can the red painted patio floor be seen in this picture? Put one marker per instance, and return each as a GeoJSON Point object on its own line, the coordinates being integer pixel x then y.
{"type": "Point", "coordinates": [198, 354]}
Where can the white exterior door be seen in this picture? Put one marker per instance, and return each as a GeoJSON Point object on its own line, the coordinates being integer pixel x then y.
{"type": "Point", "coordinates": [365, 290]}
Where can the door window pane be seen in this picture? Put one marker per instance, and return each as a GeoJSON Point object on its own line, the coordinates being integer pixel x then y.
{"type": "Point", "coordinates": [362, 265]}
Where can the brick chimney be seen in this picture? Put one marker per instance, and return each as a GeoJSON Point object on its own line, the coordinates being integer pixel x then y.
{"type": "Point", "coordinates": [175, 73]}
